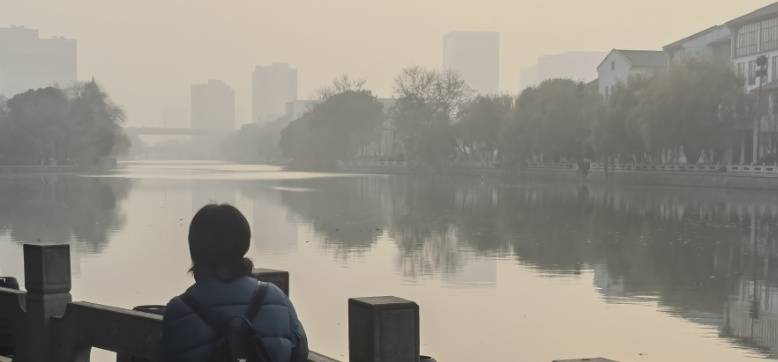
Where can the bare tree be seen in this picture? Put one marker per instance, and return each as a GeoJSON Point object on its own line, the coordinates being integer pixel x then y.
{"type": "Point", "coordinates": [342, 84]}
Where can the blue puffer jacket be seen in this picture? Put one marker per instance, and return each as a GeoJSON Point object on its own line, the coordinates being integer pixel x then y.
{"type": "Point", "coordinates": [187, 338]}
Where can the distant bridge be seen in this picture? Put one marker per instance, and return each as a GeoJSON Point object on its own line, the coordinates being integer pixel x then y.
{"type": "Point", "coordinates": [170, 131]}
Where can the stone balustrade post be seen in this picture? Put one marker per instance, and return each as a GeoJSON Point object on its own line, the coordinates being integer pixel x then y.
{"type": "Point", "coordinates": [383, 329]}
{"type": "Point", "coordinates": [47, 280]}
{"type": "Point", "coordinates": [278, 278]}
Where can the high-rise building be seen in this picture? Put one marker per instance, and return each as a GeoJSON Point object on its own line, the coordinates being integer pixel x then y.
{"type": "Point", "coordinates": [476, 57]}
{"type": "Point", "coordinates": [213, 106]}
{"type": "Point", "coordinates": [578, 66]}
{"type": "Point", "coordinates": [273, 86]}
{"type": "Point", "coordinates": [28, 62]}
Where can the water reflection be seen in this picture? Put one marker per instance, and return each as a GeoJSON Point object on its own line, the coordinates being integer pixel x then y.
{"type": "Point", "coordinates": [347, 213]}
{"type": "Point", "coordinates": [703, 255]}
{"type": "Point", "coordinates": [707, 256]}
{"type": "Point", "coordinates": [62, 209]}
{"type": "Point", "coordinates": [274, 228]}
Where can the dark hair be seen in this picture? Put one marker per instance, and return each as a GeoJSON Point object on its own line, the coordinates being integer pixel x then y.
{"type": "Point", "coordinates": [219, 237]}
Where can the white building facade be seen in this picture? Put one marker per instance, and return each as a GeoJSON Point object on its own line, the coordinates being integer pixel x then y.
{"type": "Point", "coordinates": [755, 35]}
{"type": "Point", "coordinates": [714, 44]}
{"type": "Point", "coordinates": [619, 66]}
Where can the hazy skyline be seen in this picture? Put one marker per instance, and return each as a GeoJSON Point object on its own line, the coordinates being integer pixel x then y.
{"type": "Point", "coordinates": [147, 54]}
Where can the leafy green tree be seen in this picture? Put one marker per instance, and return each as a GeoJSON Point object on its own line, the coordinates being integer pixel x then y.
{"type": "Point", "coordinates": [615, 132]}
{"type": "Point", "coordinates": [255, 142]}
{"type": "Point", "coordinates": [696, 104]}
{"type": "Point", "coordinates": [481, 123]}
{"type": "Point", "coordinates": [35, 127]}
{"type": "Point", "coordinates": [94, 124]}
{"type": "Point", "coordinates": [552, 121]}
{"type": "Point", "coordinates": [336, 129]}
{"type": "Point", "coordinates": [427, 107]}
{"type": "Point", "coordinates": [77, 126]}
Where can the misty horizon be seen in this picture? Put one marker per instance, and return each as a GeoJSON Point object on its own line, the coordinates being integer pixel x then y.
{"type": "Point", "coordinates": [138, 47]}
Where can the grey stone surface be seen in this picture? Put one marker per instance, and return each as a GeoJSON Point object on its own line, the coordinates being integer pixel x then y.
{"type": "Point", "coordinates": [49, 327]}
{"type": "Point", "coordinates": [11, 316]}
{"type": "Point", "coordinates": [315, 357]}
{"type": "Point", "coordinates": [278, 278]}
{"type": "Point", "coordinates": [47, 268]}
{"type": "Point", "coordinates": [383, 329]}
{"type": "Point", "coordinates": [47, 280]}
{"type": "Point", "coordinates": [87, 325]}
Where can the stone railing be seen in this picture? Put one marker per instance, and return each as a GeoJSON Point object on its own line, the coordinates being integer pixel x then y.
{"type": "Point", "coordinates": [358, 165]}
{"type": "Point", "coordinates": [47, 326]}
{"type": "Point", "coordinates": [379, 166]}
{"type": "Point", "coordinates": [735, 170]}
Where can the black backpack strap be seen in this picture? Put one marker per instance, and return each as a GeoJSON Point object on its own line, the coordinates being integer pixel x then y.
{"type": "Point", "coordinates": [255, 304]}
{"type": "Point", "coordinates": [202, 312]}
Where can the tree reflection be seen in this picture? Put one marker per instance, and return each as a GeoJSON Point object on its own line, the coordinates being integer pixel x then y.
{"type": "Point", "coordinates": [346, 213]}
{"type": "Point", "coordinates": [62, 209]}
{"type": "Point", "coordinates": [704, 255]}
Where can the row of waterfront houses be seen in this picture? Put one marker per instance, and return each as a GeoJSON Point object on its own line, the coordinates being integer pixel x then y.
{"type": "Point", "coordinates": [739, 43]}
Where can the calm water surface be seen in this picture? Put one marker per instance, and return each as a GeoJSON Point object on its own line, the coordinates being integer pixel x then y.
{"type": "Point", "coordinates": [502, 270]}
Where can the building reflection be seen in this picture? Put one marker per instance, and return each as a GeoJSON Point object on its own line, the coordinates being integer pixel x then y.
{"type": "Point", "coordinates": [274, 228]}
{"type": "Point", "coordinates": [206, 192]}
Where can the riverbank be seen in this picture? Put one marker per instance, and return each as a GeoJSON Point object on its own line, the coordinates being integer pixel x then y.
{"type": "Point", "coordinates": [25, 170]}
{"type": "Point", "coordinates": [758, 177]}
{"type": "Point", "coordinates": [10, 170]}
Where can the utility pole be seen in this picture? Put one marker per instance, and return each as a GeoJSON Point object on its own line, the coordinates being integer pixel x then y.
{"type": "Point", "coordinates": [761, 72]}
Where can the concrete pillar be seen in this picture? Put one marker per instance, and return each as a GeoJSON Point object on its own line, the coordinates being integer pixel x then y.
{"type": "Point", "coordinates": [383, 329]}
{"type": "Point", "coordinates": [278, 278]}
{"type": "Point", "coordinates": [47, 280]}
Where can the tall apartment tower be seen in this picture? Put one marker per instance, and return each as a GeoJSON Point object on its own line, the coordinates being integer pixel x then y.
{"type": "Point", "coordinates": [273, 86]}
{"type": "Point", "coordinates": [28, 62]}
{"type": "Point", "coordinates": [213, 106]}
{"type": "Point", "coordinates": [476, 57]}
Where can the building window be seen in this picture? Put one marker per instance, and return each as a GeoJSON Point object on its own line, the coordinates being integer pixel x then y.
{"type": "Point", "coordinates": [613, 65]}
{"type": "Point", "coordinates": [748, 40]}
{"type": "Point", "coordinates": [757, 37]}
{"type": "Point", "coordinates": [752, 72]}
{"type": "Point", "coordinates": [769, 38]}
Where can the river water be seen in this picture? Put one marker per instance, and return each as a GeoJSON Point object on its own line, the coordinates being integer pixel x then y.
{"type": "Point", "coordinates": [503, 270]}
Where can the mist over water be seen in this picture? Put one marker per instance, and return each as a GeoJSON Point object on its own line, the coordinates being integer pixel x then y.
{"type": "Point", "coordinates": [539, 271]}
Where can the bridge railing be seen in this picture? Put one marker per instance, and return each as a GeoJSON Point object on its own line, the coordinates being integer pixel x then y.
{"type": "Point", "coordinates": [47, 326]}
{"type": "Point", "coordinates": [727, 169]}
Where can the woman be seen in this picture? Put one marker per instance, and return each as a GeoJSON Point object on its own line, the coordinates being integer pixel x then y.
{"type": "Point", "coordinates": [219, 237]}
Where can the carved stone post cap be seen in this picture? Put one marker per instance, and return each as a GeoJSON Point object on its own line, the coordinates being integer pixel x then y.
{"type": "Point", "coordinates": [279, 278]}
{"type": "Point", "coordinates": [383, 329]}
{"type": "Point", "coordinates": [47, 268]}
{"type": "Point", "coordinates": [384, 302]}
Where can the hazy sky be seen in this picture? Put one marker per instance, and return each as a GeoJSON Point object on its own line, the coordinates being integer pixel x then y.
{"type": "Point", "coordinates": [147, 53]}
